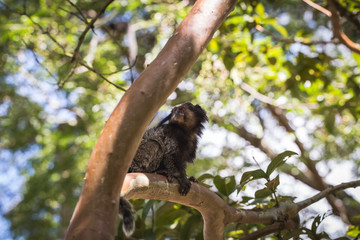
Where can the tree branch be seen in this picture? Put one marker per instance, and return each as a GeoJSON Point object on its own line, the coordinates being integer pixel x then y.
{"type": "Point", "coordinates": [318, 7]}
{"type": "Point", "coordinates": [352, 18]}
{"type": "Point", "coordinates": [337, 29]}
{"type": "Point", "coordinates": [336, 25]}
{"type": "Point", "coordinates": [275, 227]}
{"type": "Point", "coordinates": [215, 212]}
{"type": "Point", "coordinates": [327, 192]}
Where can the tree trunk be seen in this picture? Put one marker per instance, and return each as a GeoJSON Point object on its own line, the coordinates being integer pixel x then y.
{"type": "Point", "coordinates": [95, 214]}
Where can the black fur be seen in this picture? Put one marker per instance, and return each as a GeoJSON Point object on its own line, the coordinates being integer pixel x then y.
{"type": "Point", "coordinates": [167, 148]}
{"type": "Point", "coordinates": [125, 212]}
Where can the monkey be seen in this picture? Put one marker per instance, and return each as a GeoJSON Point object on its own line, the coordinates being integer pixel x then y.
{"type": "Point", "coordinates": [167, 149]}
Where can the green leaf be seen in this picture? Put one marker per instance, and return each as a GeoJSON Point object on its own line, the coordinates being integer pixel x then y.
{"type": "Point", "coordinates": [263, 193]}
{"type": "Point", "coordinates": [272, 185]}
{"type": "Point", "coordinates": [330, 120]}
{"type": "Point", "coordinates": [170, 217]}
{"type": "Point", "coordinates": [353, 231]}
{"type": "Point", "coordinates": [147, 208]}
{"type": "Point", "coordinates": [252, 175]}
{"type": "Point", "coordinates": [188, 228]}
{"type": "Point", "coordinates": [225, 185]}
{"type": "Point", "coordinates": [205, 176]}
{"type": "Point", "coordinates": [278, 161]}
{"type": "Point", "coordinates": [293, 233]}
{"type": "Point", "coordinates": [260, 10]}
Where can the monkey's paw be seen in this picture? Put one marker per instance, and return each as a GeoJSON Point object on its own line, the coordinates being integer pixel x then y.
{"type": "Point", "coordinates": [193, 179]}
{"type": "Point", "coordinates": [184, 187]}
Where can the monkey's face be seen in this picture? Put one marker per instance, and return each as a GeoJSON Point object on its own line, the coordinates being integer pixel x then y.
{"type": "Point", "coordinates": [188, 116]}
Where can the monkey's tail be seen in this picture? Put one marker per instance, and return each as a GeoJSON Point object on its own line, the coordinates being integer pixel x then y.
{"type": "Point", "coordinates": [125, 212]}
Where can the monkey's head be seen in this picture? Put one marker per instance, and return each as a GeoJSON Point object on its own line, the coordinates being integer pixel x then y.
{"type": "Point", "coordinates": [189, 117]}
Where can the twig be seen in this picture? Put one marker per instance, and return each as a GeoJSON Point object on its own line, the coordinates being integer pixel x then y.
{"type": "Point", "coordinates": [62, 83]}
{"type": "Point", "coordinates": [121, 70]}
{"type": "Point", "coordinates": [88, 27]}
{"type": "Point", "coordinates": [290, 40]}
{"type": "Point", "coordinates": [38, 61]}
{"type": "Point", "coordinates": [261, 97]}
{"type": "Point", "coordinates": [101, 75]}
{"type": "Point", "coordinates": [79, 11]}
{"type": "Point", "coordinates": [43, 31]}
{"type": "Point", "coordinates": [307, 202]}
{"type": "Point", "coordinates": [318, 7]}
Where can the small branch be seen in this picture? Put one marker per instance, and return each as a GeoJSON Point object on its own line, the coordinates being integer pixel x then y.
{"type": "Point", "coordinates": [83, 18]}
{"type": "Point", "coordinates": [267, 100]}
{"type": "Point", "coordinates": [101, 75]}
{"type": "Point", "coordinates": [38, 61]}
{"type": "Point", "coordinates": [122, 70]}
{"type": "Point", "coordinates": [336, 25]}
{"type": "Point", "coordinates": [251, 138]}
{"type": "Point", "coordinates": [62, 83]}
{"type": "Point", "coordinates": [275, 227]}
{"type": "Point", "coordinates": [338, 32]}
{"type": "Point", "coordinates": [303, 204]}
{"type": "Point", "coordinates": [318, 7]}
{"type": "Point", "coordinates": [290, 40]}
{"type": "Point", "coordinates": [88, 27]}
{"type": "Point", "coordinates": [283, 121]}
{"type": "Point", "coordinates": [261, 97]}
{"type": "Point", "coordinates": [352, 18]}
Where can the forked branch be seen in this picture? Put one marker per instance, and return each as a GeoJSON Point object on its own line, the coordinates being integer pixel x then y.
{"type": "Point", "coordinates": [215, 212]}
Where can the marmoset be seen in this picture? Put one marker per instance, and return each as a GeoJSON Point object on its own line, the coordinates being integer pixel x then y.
{"type": "Point", "coordinates": [166, 149]}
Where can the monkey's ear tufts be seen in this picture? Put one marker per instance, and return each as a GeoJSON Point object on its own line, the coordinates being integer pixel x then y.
{"type": "Point", "coordinates": [201, 113]}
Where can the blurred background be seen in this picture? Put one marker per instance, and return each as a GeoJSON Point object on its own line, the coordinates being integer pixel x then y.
{"type": "Point", "coordinates": [278, 75]}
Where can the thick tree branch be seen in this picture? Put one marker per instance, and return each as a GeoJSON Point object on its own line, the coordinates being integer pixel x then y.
{"type": "Point", "coordinates": [153, 186]}
{"type": "Point", "coordinates": [95, 214]}
{"type": "Point", "coordinates": [215, 212]}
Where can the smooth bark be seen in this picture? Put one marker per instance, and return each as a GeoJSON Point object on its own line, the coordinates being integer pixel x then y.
{"type": "Point", "coordinates": [95, 214]}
